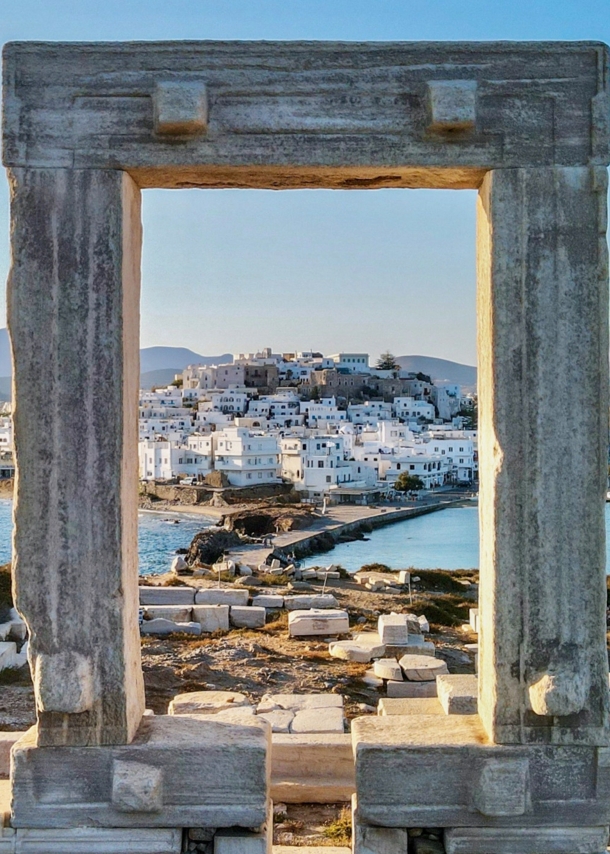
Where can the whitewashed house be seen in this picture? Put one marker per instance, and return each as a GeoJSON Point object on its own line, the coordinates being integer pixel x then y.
{"type": "Point", "coordinates": [246, 457]}
{"type": "Point", "coordinates": [355, 363]}
{"type": "Point", "coordinates": [369, 412]}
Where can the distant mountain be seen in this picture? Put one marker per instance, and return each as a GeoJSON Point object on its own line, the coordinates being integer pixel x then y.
{"type": "Point", "coordinates": [160, 377]}
{"type": "Point", "coordinates": [176, 358]}
{"type": "Point", "coordinates": [441, 370]}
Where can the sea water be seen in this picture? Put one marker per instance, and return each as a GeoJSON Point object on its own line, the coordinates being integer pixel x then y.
{"type": "Point", "coordinates": [159, 535]}
{"type": "Point", "coordinates": [446, 539]}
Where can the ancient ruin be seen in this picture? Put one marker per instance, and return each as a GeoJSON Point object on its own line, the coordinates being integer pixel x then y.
{"type": "Point", "coordinates": [86, 128]}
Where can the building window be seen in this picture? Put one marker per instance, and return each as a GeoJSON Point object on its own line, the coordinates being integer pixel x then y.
{"type": "Point", "coordinates": [320, 464]}
{"type": "Point", "coordinates": [328, 478]}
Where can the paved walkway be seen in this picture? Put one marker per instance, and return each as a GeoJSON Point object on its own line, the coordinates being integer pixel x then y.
{"type": "Point", "coordinates": [340, 518]}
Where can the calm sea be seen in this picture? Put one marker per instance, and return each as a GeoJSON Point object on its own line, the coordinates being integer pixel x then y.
{"type": "Point", "coordinates": [447, 539]}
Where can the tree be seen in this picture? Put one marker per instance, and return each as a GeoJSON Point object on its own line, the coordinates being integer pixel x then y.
{"type": "Point", "coordinates": [387, 362]}
{"type": "Point", "coordinates": [406, 482]}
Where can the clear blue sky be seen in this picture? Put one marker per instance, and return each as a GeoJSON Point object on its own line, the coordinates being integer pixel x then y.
{"type": "Point", "coordinates": [238, 270]}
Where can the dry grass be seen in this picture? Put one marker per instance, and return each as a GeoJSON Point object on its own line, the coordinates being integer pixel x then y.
{"type": "Point", "coordinates": [339, 831]}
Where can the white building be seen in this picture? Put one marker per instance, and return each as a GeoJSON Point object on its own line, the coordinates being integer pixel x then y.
{"type": "Point", "coordinates": [369, 412]}
{"type": "Point", "coordinates": [447, 398]}
{"type": "Point", "coordinates": [458, 452]}
{"type": "Point", "coordinates": [410, 409]}
{"type": "Point", "coordinates": [161, 460]}
{"type": "Point", "coordinates": [246, 457]}
{"type": "Point", "coordinates": [355, 363]}
{"type": "Point", "coordinates": [317, 464]}
{"type": "Point", "coordinates": [430, 468]}
{"type": "Point", "coordinates": [319, 413]}
{"type": "Point", "coordinates": [6, 433]}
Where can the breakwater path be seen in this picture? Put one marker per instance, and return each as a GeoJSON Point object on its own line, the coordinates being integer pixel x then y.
{"type": "Point", "coordinates": [338, 522]}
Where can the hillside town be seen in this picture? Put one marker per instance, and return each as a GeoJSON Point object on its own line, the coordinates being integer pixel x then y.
{"type": "Point", "coordinates": [334, 426]}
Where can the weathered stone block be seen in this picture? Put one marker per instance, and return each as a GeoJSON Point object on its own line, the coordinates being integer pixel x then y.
{"type": "Point", "coordinates": [458, 693]}
{"type": "Point", "coordinates": [175, 613]}
{"type": "Point", "coordinates": [353, 651]}
{"type": "Point", "coordinates": [96, 840]}
{"type": "Point", "coordinates": [312, 768]}
{"type": "Point", "coordinates": [206, 702]}
{"type": "Point", "coordinates": [212, 618]}
{"type": "Point", "coordinates": [280, 719]}
{"type": "Point", "coordinates": [167, 595]}
{"type": "Point", "coordinates": [268, 601]}
{"type": "Point", "coordinates": [160, 626]}
{"type": "Point", "coordinates": [180, 107]}
{"type": "Point", "coordinates": [217, 596]}
{"type": "Point", "coordinates": [297, 702]}
{"type": "Point", "coordinates": [442, 771]}
{"type": "Point", "coordinates": [317, 720]}
{"type": "Point", "coordinates": [393, 628]}
{"type": "Point", "coordinates": [410, 705]}
{"type": "Point", "coordinates": [526, 840]}
{"type": "Point", "coordinates": [316, 600]}
{"type": "Point", "coordinates": [452, 105]}
{"type": "Point", "coordinates": [388, 668]}
{"type": "Point", "coordinates": [238, 841]}
{"type": "Point", "coordinates": [316, 622]}
{"type": "Point", "coordinates": [422, 668]}
{"type": "Point", "coordinates": [215, 774]}
{"type": "Point", "coordinates": [247, 616]}
{"type": "Point", "coordinates": [137, 787]}
{"type": "Point", "coordinates": [411, 689]}
{"type": "Point", "coordinates": [376, 840]}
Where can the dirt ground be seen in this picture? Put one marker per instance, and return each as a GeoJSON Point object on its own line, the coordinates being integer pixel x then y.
{"type": "Point", "coordinates": [258, 661]}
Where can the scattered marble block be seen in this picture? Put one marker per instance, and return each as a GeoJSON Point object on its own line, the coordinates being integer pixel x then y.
{"type": "Point", "coordinates": [352, 651]}
{"type": "Point", "coordinates": [206, 702]}
{"type": "Point", "coordinates": [167, 595]}
{"type": "Point", "coordinates": [526, 840]}
{"type": "Point", "coordinates": [372, 680]}
{"type": "Point", "coordinates": [212, 618]}
{"type": "Point", "coordinates": [268, 601]}
{"type": "Point", "coordinates": [218, 596]}
{"type": "Point", "coordinates": [416, 646]}
{"type": "Point", "coordinates": [318, 720]}
{"type": "Point", "coordinates": [247, 617]}
{"type": "Point", "coordinates": [316, 600]}
{"type": "Point", "coordinates": [168, 627]}
{"type": "Point", "coordinates": [388, 668]}
{"type": "Point", "coordinates": [367, 839]}
{"type": "Point", "coordinates": [323, 574]}
{"type": "Point", "coordinates": [423, 624]}
{"type": "Point", "coordinates": [422, 668]}
{"type": "Point", "coordinates": [312, 768]}
{"type": "Point", "coordinates": [279, 719]}
{"type": "Point", "coordinates": [370, 639]}
{"type": "Point", "coordinates": [308, 573]}
{"type": "Point", "coordinates": [458, 693]}
{"type": "Point", "coordinates": [411, 689]}
{"type": "Point", "coordinates": [393, 628]}
{"type": "Point", "coordinates": [92, 840]}
{"type": "Point", "coordinates": [8, 651]}
{"type": "Point", "coordinates": [212, 774]}
{"type": "Point", "coordinates": [404, 576]}
{"type": "Point", "coordinates": [317, 622]}
{"type": "Point", "coordinates": [474, 619]}
{"type": "Point", "coordinates": [175, 613]}
{"type": "Point", "coordinates": [410, 705]}
{"type": "Point", "coordinates": [179, 565]}
{"type": "Point", "coordinates": [298, 702]}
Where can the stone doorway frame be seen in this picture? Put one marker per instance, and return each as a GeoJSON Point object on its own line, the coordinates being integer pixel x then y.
{"type": "Point", "coordinates": [87, 126]}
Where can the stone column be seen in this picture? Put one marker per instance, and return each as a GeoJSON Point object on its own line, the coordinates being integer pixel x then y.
{"type": "Point", "coordinates": [543, 392]}
{"type": "Point", "coordinates": [73, 316]}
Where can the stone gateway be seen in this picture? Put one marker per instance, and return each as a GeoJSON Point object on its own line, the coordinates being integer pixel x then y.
{"type": "Point", "coordinates": [86, 127]}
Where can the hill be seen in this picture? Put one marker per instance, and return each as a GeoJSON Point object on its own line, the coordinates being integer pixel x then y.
{"type": "Point", "coordinates": [176, 358]}
{"type": "Point", "coordinates": [441, 370]}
